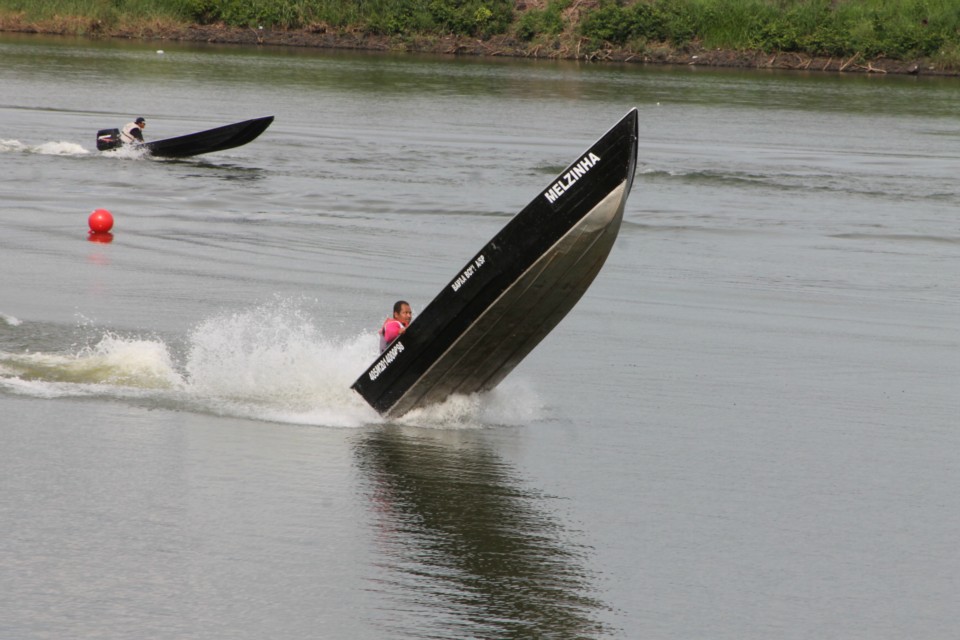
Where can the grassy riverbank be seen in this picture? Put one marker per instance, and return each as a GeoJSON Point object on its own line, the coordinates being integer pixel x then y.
{"type": "Point", "coordinates": [904, 36]}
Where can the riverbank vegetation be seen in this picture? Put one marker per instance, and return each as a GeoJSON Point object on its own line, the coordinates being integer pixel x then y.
{"type": "Point", "coordinates": [924, 32]}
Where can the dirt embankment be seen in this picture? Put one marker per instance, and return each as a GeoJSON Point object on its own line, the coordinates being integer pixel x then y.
{"type": "Point", "coordinates": [562, 49]}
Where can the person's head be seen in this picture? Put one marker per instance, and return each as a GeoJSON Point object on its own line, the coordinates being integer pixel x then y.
{"type": "Point", "coordinates": [140, 122]}
{"type": "Point", "coordinates": [402, 312]}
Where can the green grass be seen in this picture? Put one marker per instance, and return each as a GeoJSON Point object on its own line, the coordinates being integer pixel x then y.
{"type": "Point", "coordinates": [463, 17]}
{"type": "Point", "coordinates": [899, 29]}
{"type": "Point", "coordinates": [77, 15]}
{"type": "Point", "coordinates": [894, 28]}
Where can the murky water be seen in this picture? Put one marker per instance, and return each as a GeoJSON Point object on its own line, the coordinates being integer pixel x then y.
{"type": "Point", "coordinates": [746, 428]}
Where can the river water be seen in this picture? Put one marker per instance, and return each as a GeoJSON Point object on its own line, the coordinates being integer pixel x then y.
{"type": "Point", "coordinates": [747, 428]}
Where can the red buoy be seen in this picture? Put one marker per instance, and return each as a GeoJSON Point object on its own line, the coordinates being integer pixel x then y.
{"type": "Point", "coordinates": [101, 221]}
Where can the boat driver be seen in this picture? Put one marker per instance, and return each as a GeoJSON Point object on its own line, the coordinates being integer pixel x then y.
{"type": "Point", "coordinates": [393, 327]}
{"type": "Point", "coordinates": [133, 131]}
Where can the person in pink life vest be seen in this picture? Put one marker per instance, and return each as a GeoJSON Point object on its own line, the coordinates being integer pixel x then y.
{"type": "Point", "coordinates": [393, 327]}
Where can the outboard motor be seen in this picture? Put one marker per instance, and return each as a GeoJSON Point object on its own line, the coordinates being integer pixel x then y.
{"type": "Point", "coordinates": [108, 139]}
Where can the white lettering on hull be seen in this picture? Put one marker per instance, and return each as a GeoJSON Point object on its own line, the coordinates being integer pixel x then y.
{"type": "Point", "coordinates": [468, 272]}
{"type": "Point", "coordinates": [385, 361]}
{"type": "Point", "coordinates": [568, 179]}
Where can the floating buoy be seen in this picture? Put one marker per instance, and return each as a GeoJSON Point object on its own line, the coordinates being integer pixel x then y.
{"type": "Point", "coordinates": [101, 221]}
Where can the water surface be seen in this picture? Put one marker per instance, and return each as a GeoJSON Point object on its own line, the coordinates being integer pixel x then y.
{"type": "Point", "coordinates": [745, 429]}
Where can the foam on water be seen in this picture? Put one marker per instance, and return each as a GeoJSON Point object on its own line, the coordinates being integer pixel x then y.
{"type": "Point", "coordinates": [128, 152]}
{"type": "Point", "coordinates": [269, 363]}
{"type": "Point", "coordinates": [58, 148]}
{"type": "Point", "coordinates": [513, 404]}
{"type": "Point", "coordinates": [62, 148]}
{"type": "Point", "coordinates": [114, 361]}
{"type": "Point", "coordinates": [12, 145]}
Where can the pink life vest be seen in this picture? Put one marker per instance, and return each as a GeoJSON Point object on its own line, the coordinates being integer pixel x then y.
{"type": "Point", "coordinates": [388, 332]}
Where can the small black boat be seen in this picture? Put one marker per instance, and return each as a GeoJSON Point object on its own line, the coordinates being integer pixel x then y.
{"type": "Point", "coordinates": [192, 144]}
{"type": "Point", "coordinates": [511, 294]}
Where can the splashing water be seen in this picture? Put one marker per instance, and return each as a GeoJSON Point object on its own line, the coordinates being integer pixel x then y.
{"type": "Point", "coordinates": [273, 363]}
{"type": "Point", "coordinates": [267, 363]}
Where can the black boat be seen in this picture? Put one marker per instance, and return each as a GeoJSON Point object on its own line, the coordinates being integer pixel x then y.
{"type": "Point", "coordinates": [512, 293]}
{"type": "Point", "coordinates": [192, 144]}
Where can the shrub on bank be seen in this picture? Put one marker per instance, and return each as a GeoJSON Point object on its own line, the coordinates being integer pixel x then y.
{"type": "Point", "coordinates": [900, 29]}
{"type": "Point", "coordinates": [892, 28]}
{"type": "Point", "coordinates": [437, 17]}
{"type": "Point", "coordinates": [548, 21]}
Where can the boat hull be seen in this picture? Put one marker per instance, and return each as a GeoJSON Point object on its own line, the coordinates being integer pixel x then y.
{"type": "Point", "coordinates": [515, 290]}
{"type": "Point", "coordinates": [192, 144]}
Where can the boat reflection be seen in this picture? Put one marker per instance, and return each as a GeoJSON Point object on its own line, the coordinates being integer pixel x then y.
{"type": "Point", "coordinates": [469, 552]}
